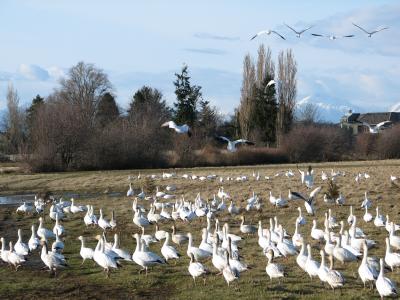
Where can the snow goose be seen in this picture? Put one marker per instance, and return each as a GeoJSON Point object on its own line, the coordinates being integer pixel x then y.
{"type": "Point", "coordinates": [329, 246]}
{"type": "Point", "coordinates": [379, 220]}
{"type": "Point", "coordinates": [178, 238]}
{"type": "Point", "coordinates": [355, 231]}
{"type": "Point", "coordinates": [58, 228]}
{"type": "Point", "coordinates": [370, 33]}
{"type": "Point", "coordinates": [43, 232]}
{"type": "Point", "coordinates": [323, 270]}
{"type": "Point", "coordinates": [218, 260]}
{"type": "Point", "coordinates": [384, 285]}
{"type": "Point", "coordinates": [392, 259]}
{"type": "Point", "coordinates": [297, 238]}
{"type": "Point", "coordinates": [139, 220]}
{"type": "Point", "coordinates": [196, 269]}
{"type": "Point", "coordinates": [366, 202]}
{"type": "Point", "coordinates": [180, 129]}
{"type": "Point", "coordinates": [334, 278]}
{"type": "Point", "coordinates": [232, 209]}
{"type": "Point", "coordinates": [14, 258]}
{"type": "Point", "coordinates": [56, 212]}
{"type": "Point", "coordinates": [168, 251]}
{"type": "Point", "coordinates": [25, 208]}
{"type": "Point", "coordinates": [76, 208]}
{"type": "Point", "coordinates": [367, 216]}
{"type": "Point", "coordinates": [351, 216]}
{"type": "Point", "coordinates": [343, 254]}
{"type": "Point", "coordinates": [388, 225]}
{"type": "Point", "coordinates": [102, 222]}
{"type": "Point", "coordinates": [331, 220]}
{"type": "Point", "coordinates": [143, 258]}
{"type": "Point", "coordinates": [267, 32]}
{"type": "Point", "coordinates": [124, 254]}
{"type": "Point", "coordinates": [301, 258]}
{"type": "Point", "coordinates": [51, 259]}
{"type": "Point", "coordinates": [365, 271]}
{"type": "Point", "coordinates": [130, 191]}
{"type": "Point", "coordinates": [375, 129]}
{"type": "Point", "coordinates": [272, 198]}
{"type": "Point", "coordinates": [311, 266]}
{"type": "Point", "coordinates": [317, 234]}
{"type": "Point", "coordinates": [102, 258]}
{"type": "Point", "coordinates": [231, 146]}
{"type": "Point", "coordinates": [4, 253]}
{"type": "Point", "coordinates": [230, 274]}
{"type": "Point", "coordinates": [159, 234]}
{"type": "Point", "coordinates": [147, 238]}
{"type": "Point", "coordinates": [58, 245]}
{"type": "Point", "coordinates": [246, 228]}
{"type": "Point", "coordinates": [34, 241]}
{"type": "Point", "coordinates": [286, 248]}
{"type": "Point", "coordinates": [235, 262]}
{"type": "Point", "coordinates": [341, 199]}
{"type": "Point", "coordinates": [272, 269]}
{"type": "Point", "coordinates": [199, 254]}
{"type": "Point", "coordinates": [300, 219]}
{"type": "Point", "coordinates": [394, 239]}
{"type": "Point", "coordinates": [113, 221]}
{"type": "Point", "coordinates": [85, 252]}
{"type": "Point", "coordinates": [205, 245]}
{"type": "Point", "coordinates": [20, 247]}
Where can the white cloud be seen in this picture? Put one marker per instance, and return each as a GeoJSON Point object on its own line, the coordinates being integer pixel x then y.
{"type": "Point", "coordinates": [33, 72]}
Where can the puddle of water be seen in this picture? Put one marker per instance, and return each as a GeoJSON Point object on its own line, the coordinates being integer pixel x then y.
{"type": "Point", "coordinates": [29, 198]}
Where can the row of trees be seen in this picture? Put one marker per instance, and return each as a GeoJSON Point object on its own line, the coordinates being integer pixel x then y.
{"type": "Point", "coordinates": [266, 110]}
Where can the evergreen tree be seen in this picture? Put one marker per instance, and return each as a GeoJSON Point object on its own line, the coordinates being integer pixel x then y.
{"type": "Point", "coordinates": [37, 102]}
{"type": "Point", "coordinates": [208, 119]}
{"type": "Point", "coordinates": [187, 97]}
{"type": "Point", "coordinates": [107, 110]}
{"type": "Point", "coordinates": [148, 107]}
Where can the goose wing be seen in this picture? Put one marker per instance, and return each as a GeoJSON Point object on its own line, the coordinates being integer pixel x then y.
{"type": "Point", "coordinates": [383, 124]}
{"type": "Point", "coordinates": [294, 30]}
{"type": "Point", "coordinates": [222, 138]}
{"type": "Point", "coordinates": [299, 195]}
{"type": "Point", "coordinates": [378, 30]}
{"type": "Point", "coordinates": [278, 34]}
{"type": "Point", "coordinates": [359, 27]}
{"type": "Point", "coordinates": [242, 141]}
{"type": "Point", "coordinates": [169, 124]}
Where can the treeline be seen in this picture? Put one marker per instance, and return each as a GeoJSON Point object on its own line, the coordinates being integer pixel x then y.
{"type": "Point", "coordinates": [81, 127]}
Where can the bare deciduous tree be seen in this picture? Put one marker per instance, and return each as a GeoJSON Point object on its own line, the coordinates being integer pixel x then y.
{"type": "Point", "coordinates": [287, 70]}
{"type": "Point", "coordinates": [308, 114]}
{"type": "Point", "coordinates": [246, 106]}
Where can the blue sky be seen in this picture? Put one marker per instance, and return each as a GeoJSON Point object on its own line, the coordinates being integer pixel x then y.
{"type": "Point", "coordinates": [145, 42]}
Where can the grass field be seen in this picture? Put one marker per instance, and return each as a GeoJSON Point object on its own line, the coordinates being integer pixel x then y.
{"type": "Point", "coordinates": [173, 281]}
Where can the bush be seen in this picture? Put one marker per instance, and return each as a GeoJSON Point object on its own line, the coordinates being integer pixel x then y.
{"type": "Point", "coordinates": [388, 146]}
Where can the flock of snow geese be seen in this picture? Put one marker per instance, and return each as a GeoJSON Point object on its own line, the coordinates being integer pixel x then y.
{"type": "Point", "coordinates": [298, 32]}
{"type": "Point", "coordinates": [219, 244]}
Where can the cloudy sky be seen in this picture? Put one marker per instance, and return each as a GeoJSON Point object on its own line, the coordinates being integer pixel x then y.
{"type": "Point", "coordinates": [146, 42]}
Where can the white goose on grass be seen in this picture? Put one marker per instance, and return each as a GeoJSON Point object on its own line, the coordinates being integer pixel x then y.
{"type": "Point", "coordinates": [302, 257]}
{"type": "Point", "coordinates": [323, 270]}
{"type": "Point", "coordinates": [246, 228]}
{"type": "Point", "coordinates": [124, 254]}
{"type": "Point", "coordinates": [34, 241]}
{"type": "Point", "coordinates": [25, 208]}
{"type": "Point", "coordinates": [76, 208]}
{"type": "Point", "coordinates": [379, 220]}
{"type": "Point", "coordinates": [317, 234]}
{"type": "Point", "coordinates": [334, 278]}
{"type": "Point", "coordinates": [297, 238]}
{"type": "Point", "coordinates": [168, 251]}
{"type": "Point", "coordinates": [343, 254]}
{"type": "Point", "coordinates": [218, 260]}
{"type": "Point", "coordinates": [235, 262]}
{"type": "Point", "coordinates": [205, 245]}
{"type": "Point", "coordinates": [351, 216]}
{"type": "Point", "coordinates": [139, 220]}
{"type": "Point", "coordinates": [286, 248]}
{"type": "Point", "coordinates": [147, 238]}
{"type": "Point", "coordinates": [365, 271]}
{"type": "Point", "coordinates": [331, 220]}
{"type": "Point", "coordinates": [43, 232]}
{"type": "Point", "coordinates": [85, 252]}
{"type": "Point", "coordinates": [58, 228]}
{"type": "Point", "coordinates": [394, 239]}
{"type": "Point", "coordinates": [384, 285]}
{"type": "Point", "coordinates": [130, 191]}
{"type": "Point", "coordinates": [20, 247]}
{"type": "Point", "coordinates": [392, 259]}
{"type": "Point", "coordinates": [113, 221]}
{"type": "Point", "coordinates": [367, 216]}
{"type": "Point", "coordinates": [58, 245]}
{"type": "Point", "coordinates": [145, 259]}
{"type": "Point", "coordinates": [197, 269]}
{"type": "Point", "coordinates": [366, 202]}
{"type": "Point", "coordinates": [103, 259]}
{"type": "Point", "coordinates": [272, 269]}
{"type": "Point", "coordinates": [14, 258]}
{"type": "Point", "coordinates": [159, 234]}
{"type": "Point", "coordinates": [103, 222]}
{"type": "Point", "coordinates": [178, 238]}
{"type": "Point", "coordinates": [199, 254]}
{"type": "Point", "coordinates": [230, 274]}
{"type": "Point", "coordinates": [388, 225]}
{"type": "Point", "coordinates": [311, 266]}
{"type": "Point", "coordinates": [51, 259]}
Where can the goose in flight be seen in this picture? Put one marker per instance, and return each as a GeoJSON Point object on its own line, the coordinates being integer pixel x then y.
{"type": "Point", "coordinates": [332, 36]}
{"type": "Point", "coordinates": [232, 144]}
{"type": "Point", "coordinates": [178, 128]}
{"type": "Point", "coordinates": [298, 33]}
{"type": "Point", "coordinates": [370, 33]}
{"type": "Point", "coordinates": [377, 127]}
{"type": "Point", "coordinates": [268, 31]}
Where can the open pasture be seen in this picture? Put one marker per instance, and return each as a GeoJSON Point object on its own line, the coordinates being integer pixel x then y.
{"type": "Point", "coordinates": [172, 281]}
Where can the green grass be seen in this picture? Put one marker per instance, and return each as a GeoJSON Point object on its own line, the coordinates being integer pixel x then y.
{"type": "Point", "coordinates": [173, 281]}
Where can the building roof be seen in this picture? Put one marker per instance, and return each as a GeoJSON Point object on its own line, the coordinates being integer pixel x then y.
{"type": "Point", "coordinates": [374, 118]}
